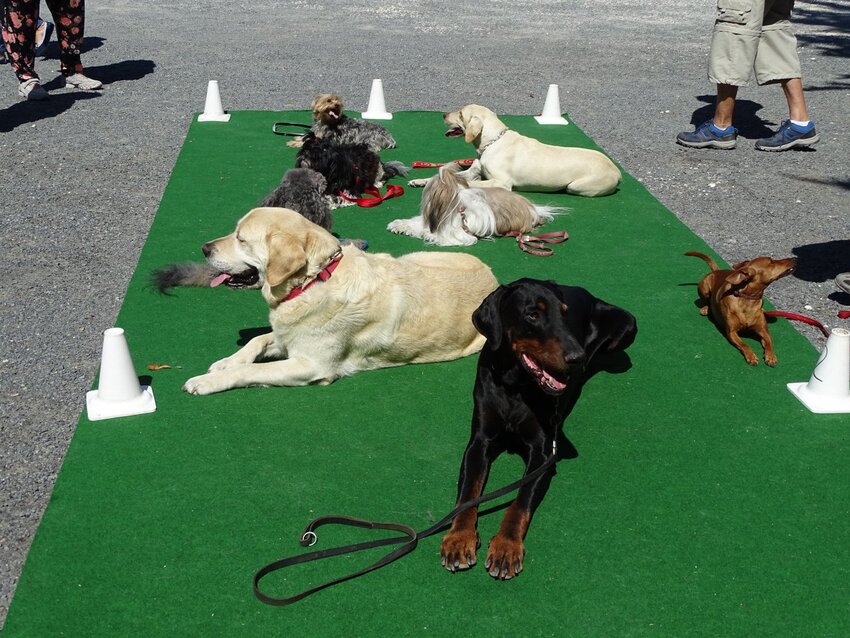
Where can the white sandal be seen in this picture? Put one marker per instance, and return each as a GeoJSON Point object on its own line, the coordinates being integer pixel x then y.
{"type": "Point", "coordinates": [32, 90]}
{"type": "Point", "coordinates": [80, 81]}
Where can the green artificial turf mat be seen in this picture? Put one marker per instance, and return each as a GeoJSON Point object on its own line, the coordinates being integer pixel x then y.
{"type": "Point", "coordinates": [705, 501]}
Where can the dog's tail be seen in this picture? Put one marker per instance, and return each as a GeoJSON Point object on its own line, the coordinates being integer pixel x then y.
{"type": "Point", "coordinates": [393, 169]}
{"type": "Point", "coordinates": [182, 274]}
{"type": "Point", "coordinates": [704, 257]}
{"type": "Point", "coordinates": [546, 214]}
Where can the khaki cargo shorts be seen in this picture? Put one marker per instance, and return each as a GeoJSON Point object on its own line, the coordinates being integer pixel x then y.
{"type": "Point", "coordinates": [753, 35]}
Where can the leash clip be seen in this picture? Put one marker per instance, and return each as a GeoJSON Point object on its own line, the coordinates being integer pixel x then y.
{"type": "Point", "coordinates": [309, 538]}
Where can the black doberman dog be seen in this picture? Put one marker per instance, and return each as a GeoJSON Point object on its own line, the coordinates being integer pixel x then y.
{"type": "Point", "coordinates": [541, 340]}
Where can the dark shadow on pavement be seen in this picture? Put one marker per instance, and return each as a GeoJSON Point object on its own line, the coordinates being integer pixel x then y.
{"type": "Point", "coordinates": [748, 123]}
{"type": "Point", "coordinates": [128, 70]}
{"type": "Point", "coordinates": [25, 112]}
{"type": "Point", "coordinates": [822, 262]}
{"type": "Point", "coordinates": [833, 16]}
{"type": "Point", "coordinates": [841, 184]}
{"type": "Point", "coordinates": [89, 44]}
{"type": "Point", "coordinates": [28, 112]}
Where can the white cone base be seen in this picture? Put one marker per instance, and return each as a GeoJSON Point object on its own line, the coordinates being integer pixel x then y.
{"type": "Point", "coordinates": [203, 117]}
{"type": "Point", "coordinates": [376, 115]}
{"type": "Point", "coordinates": [819, 403]}
{"type": "Point", "coordinates": [98, 409]}
{"type": "Point", "coordinates": [548, 119]}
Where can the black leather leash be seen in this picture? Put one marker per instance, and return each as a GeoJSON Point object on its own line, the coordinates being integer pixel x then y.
{"type": "Point", "coordinates": [407, 542]}
{"type": "Point", "coordinates": [289, 133]}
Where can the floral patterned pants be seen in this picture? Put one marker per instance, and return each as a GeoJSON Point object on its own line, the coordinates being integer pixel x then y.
{"type": "Point", "coordinates": [19, 18]}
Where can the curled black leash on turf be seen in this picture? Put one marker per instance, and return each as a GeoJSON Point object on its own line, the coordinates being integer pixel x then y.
{"type": "Point", "coordinates": [408, 541]}
{"type": "Point", "coordinates": [289, 133]}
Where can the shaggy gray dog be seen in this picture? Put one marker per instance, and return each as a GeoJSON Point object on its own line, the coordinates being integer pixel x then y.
{"type": "Point", "coordinates": [303, 190]}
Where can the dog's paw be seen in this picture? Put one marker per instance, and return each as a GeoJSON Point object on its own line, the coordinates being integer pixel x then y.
{"type": "Point", "coordinates": [297, 143]}
{"type": "Point", "coordinates": [417, 183]}
{"type": "Point", "coordinates": [399, 227]}
{"type": "Point", "coordinates": [205, 384]}
{"type": "Point", "coordinates": [504, 557]}
{"type": "Point", "coordinates": [227, 363]}
{"type": "Point", "coordinates": [458, 549]}
{"type": "Point", "coordinates": [770, 359]}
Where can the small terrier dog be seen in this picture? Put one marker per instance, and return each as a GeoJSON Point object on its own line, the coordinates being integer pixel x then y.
{"type": "Point", "coordinates": [332, 124]}
{"type": "Point", "coordinates": [734, 299]}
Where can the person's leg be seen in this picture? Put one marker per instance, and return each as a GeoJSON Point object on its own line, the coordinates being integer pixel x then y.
{"type": "Point", "coordinates": [725, 105]}
{"type": "Point", "coordinates": [19, 18]}
{"type": "Point", "coordinates": [18, 34]}
{"type": "Point", "coordinates": [793, 89]}
{"type": "Point", "coordinates": [734, 43]}
{"type": "Point", "coordinates": [777, 62]}
{"type": "Point", "coordinates": [69, 16]}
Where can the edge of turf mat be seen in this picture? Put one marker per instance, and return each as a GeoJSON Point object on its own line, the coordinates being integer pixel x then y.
{"type": "Point", "coordinates": [705, 499]}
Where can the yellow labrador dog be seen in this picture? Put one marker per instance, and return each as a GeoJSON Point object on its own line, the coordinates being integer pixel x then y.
{"type": "Point", "coordinates": [337, 310]}
{"type": "Point", "coordinates": [517, 162]}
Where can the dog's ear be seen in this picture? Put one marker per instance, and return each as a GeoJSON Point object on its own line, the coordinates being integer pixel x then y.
{"type": "Point", "coordinates": [614, 329]}
{"type": "Point", "coordinates": [606, 327]}
{"type": "Point", "coordinates": [487, 318]}
{"type": "Point", "coordinates": [472, 128]}
{"type": "Point", "coordinates": [286, 256]}
{"type": "Point", "coordinates": [739, 277]}
{"type": "Point", "coordinates": [741, 264]}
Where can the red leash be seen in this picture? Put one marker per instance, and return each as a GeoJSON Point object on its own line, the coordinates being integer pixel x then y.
{"type": "Point", "coordinates": [535, 244]}
{"type": "Point", "coordinates": [374, 196]}
{"type": "Point", "coordinates": [796, 317]}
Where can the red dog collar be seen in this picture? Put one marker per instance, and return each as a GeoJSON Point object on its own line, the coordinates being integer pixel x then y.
{"type": "Point", "coordinates": [323, 275]}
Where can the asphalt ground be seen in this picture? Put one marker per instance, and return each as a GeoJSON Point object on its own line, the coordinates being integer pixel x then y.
{"type": "Point", "coordinates": [82, 174]}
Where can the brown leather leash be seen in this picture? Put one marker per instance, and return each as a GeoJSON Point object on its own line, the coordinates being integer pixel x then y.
{"type": "Point", "coordinates": [460, 162]}
{"type": "Point", "coordinates": [536, 244]}
{"type": "Point", "coordinates": [407, 542]}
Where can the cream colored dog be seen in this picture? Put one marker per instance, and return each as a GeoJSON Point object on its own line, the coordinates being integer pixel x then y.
{"type": "Point", "coordinates": [517, 162]}
{"type": "Point", "coordinates": [337, 310]}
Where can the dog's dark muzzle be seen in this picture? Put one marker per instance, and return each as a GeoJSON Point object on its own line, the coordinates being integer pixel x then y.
{"type": "Point", "coordinates": [552, 369]}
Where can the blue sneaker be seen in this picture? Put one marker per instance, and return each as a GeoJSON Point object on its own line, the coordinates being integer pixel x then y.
{"type": "Point", "coordinates": [788, 136]}
{"type": "Point", "coordinates": [707, 135]}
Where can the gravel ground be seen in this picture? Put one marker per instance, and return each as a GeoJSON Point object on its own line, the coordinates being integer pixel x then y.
{"type": "Point", "coordinates": [83, 173]}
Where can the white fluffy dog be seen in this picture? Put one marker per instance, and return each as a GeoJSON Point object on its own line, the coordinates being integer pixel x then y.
{"type": "Point", "coordinates": [454, 214]}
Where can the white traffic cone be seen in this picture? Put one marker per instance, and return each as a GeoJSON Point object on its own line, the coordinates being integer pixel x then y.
{"type": "Point", "coordinates": [377, 109]}
{"type": "Point", "coordinates": [552, 108]}
{"type": "Point", "coordinates": [213, 111]}
{"type": "Point", "coordinates": [828, 390]}
{"type": "Point", "coordinates": [119, 392]}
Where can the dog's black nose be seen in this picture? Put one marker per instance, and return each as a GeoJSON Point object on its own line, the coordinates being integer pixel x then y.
{"type": "Point", "coordinates": [206, 249]}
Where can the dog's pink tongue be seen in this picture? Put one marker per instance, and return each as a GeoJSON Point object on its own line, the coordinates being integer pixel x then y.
{"type": "Point", "coordinates": [219, 279]}
{"type": "Point", "coordinates": [542, 375]}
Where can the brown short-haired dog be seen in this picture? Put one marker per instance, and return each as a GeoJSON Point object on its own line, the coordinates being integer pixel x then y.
{"type": "Point", "coordinates": [734, 298]}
